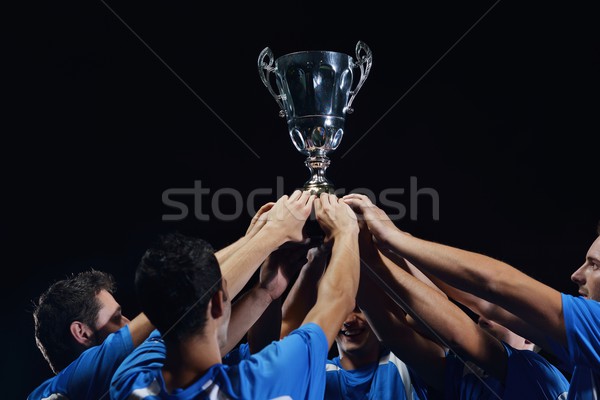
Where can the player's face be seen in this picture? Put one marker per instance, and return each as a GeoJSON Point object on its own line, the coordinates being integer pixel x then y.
{"type": "Point", "coordinates": [587, 277]}
{"type": "Point", "coordinates": [109, 318]}
{"type": "Point", "coordinates": [356, 335]}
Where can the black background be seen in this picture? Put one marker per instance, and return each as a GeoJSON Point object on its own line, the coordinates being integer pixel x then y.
{"type": "Point", "coordinates": [103, 113]}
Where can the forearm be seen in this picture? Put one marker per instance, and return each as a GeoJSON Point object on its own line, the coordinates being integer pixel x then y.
{"type": "Point", "coordinates": [267, 327]}
{"type": "Point", "coordinates": [476, 304]}
{"type": "Point", "coordinates": [387, 320]}
{"type": "Point", "coordinates": [444, 320]}
{"type": "Point", "coordinates": [338, 286]}
{"type": "Point", "coordinates": [299, 300]}
{"type": "Point", "coordinates": [243, 262]}
{"type": "Point", "coordinates": [245, 312]}
{"type": "Point", "coordinates": [343, 272]}
{"type": "Point", "coordinates": [495, 313]}
{"type": "Point", "coordinates": [224, 253]}
{"type": "Point", "coordinates": [487, 278]}
{"type": "Point", "coordinates": [390, 258]}
{"type": "Point", "coordinates": [140, 328]}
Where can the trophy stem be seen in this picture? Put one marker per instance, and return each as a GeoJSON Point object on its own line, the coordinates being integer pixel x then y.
{"type": "Point", "coordinates": [318, 183]}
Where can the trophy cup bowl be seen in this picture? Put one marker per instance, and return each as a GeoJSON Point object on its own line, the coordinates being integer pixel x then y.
{"type": "Point", "coordinates": [314, 95]}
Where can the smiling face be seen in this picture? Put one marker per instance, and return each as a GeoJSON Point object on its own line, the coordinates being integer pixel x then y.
{"type": "Point", "coordinates": [356, 341]}
{"type": "Point", "coordinates": [587, 277]}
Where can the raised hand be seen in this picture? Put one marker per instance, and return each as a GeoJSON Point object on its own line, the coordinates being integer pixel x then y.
{"type": "Point", "coordinates": [334, 216]}
{"type": "Point", "coordinates": [288, 215]}
{"type": "Point", "coordinates": [376, 220]}
{"type": "Point", "coordinates": [281, 265]}
{"type": "Point", "coordinates": [259, 219]}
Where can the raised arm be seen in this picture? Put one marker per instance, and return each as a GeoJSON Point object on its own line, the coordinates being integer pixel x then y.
{"type": "Point", "coordinates": [258, 221]}
{"type": "Point", "coordinates": [282, 223]}
{"type": "Point", "coordinates": [489, 310]}
{"type": "Point", "coordinates": [476, 304]}
{"type": "Point", "coordinates": [275, 275]}
{"type": "Point", "coordinates": [337, 288]}
{"type": "Point", "coordinates": [140, 328]}
{"type": "Point", "coordinates": [483, 276]}
{"type": "Point", "coordinates": [303, 294]}
{"type": "Point", "coordinates": [393, 261]}
{"type": "Point", "coordinates": [388, 321]}
{"type": "Point", "coordinates": [444, 319]}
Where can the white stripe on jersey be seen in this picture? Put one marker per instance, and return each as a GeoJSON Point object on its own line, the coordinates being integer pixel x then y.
{"type": "Point", "coordinates": [141, 393]}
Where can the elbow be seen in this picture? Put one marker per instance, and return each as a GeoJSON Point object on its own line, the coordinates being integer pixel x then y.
{"type": "Point", "coordinates": [344, 300]}
{"type": "Point", "coordinates": [348, 302]}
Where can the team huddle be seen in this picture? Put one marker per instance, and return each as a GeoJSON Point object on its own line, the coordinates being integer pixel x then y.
{"type": "Point", "coordinates": [393, 304]}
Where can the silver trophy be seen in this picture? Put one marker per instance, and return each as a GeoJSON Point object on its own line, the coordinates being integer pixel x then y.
{"type": "Point", "coordinates": [315, 94]}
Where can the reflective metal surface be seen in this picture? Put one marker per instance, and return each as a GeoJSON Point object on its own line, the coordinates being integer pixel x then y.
{"type": "Point", "coordinates": [314, 95]}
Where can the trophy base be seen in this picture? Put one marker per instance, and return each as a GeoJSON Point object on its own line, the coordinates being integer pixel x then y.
{"type": "Point", "coordinates": [318, 182]}
{"type": "Point", "coordinates": [317, 189]}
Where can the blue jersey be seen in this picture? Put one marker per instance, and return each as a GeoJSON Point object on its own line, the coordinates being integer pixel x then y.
{"type": "Point", "coordinates": [88, 377]}
{"type": "Point", "coordinates": [582, 355]}
{"type": "Point", "coordinates": [387, 379]}
{"type": "Point", "coordinates": [291, 368]}
{"type": "Point", "coordinates": [529, 376]}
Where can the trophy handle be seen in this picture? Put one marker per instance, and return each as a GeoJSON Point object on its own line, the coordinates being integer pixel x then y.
{"type": "Point", "coordinates": [364, 60]}
{"type": "Point", "coordinates": [265, 67]}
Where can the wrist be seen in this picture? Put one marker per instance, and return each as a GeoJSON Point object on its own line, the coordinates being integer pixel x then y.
{"type": "Point", "coordinates": [269, 237]}
{"type": "Point", "coordinates": [346, 234]}
{"type": "Point", "coordinates": [387, 238]}
{"type": "Point", "coordinates": [263, 295]}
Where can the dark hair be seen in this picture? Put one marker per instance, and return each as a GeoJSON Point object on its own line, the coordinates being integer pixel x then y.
{"type": "Point", "coordinates": [65, 301]}
{"type": "Point", "coordinates": [174, 281]}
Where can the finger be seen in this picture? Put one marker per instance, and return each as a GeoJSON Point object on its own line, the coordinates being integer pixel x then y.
{"type": "Point", "coordinates": [305, 197]}
{"type": "Point", "coordinates": [318, 204]}
{"type": "Point", "coordinates": [262, 210]}
{"type": "Point", "coordinates": [358, 202]}
{"type": "Point", "coordinates": [348, 209]}
{"type": "Point", "coordinates": [311, 200]}
{"type": "Point", "coordinates": [360, 198]}
{"type": "Point", "coordinates": [266, 207]}
{"type": "Point", "coordinates": [355, 196]}
{"type": "Point", "coordinates": [325, 198]}
{"type": "Point", "coordinates": [283, 198]}
{"type": "Point", "coordinates": [352, 202]}
{"type": "Point", "coordinates": [296, 195]}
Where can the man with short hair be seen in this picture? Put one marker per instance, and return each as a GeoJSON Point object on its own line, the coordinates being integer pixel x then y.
{"type": "Point", "coordinates": [80, 330]}
{"type": "Point", "coordinates": [184, 295]}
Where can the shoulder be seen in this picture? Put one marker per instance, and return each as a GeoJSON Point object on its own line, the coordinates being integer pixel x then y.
{"type": "Point", "coordinates": [528, 357]}
{"type": "Point", "coordinates": [310, 335]}
{"type": "Point", "coordinates": [309, 328]}
{"type": "Point", "coordinates": [526, 366]}
{"type": "Point", "coordinates": [150, 351]}
{"type": "Point", "coordinates": [41, 391]}
{"type": "Point", "coordinates": [118, 341]}
{"type": "Point", "coordinates": [577, 306]}
{"type": "Point", "coordinates": [144, 363]}
{"type": "Point", "coordinates": [303, 348]}
{"type": "Point", "coordinates": [90, 372]}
